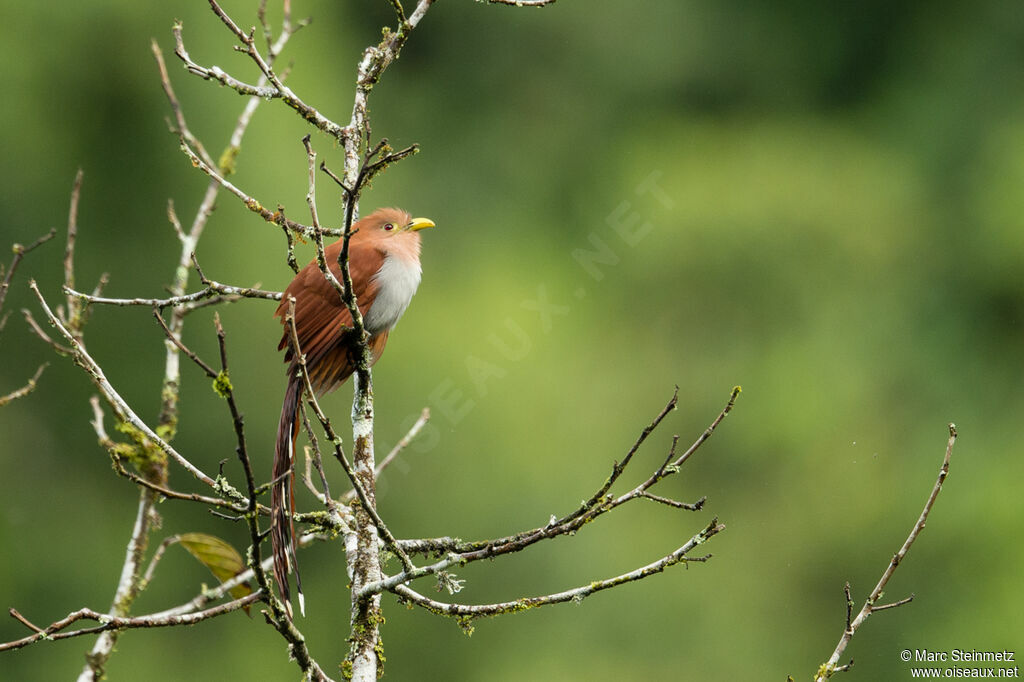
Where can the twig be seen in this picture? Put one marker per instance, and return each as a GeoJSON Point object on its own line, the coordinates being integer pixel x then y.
{"type": "Point", "coordinates": [311, 194]}
{"type": "Point", "coordinates": [157, 556]}
{"type": "Point", "coordinates": [522, 3]}
{"type": "Point", "coordinates": [404, 442]}
{"type": "Point", "coordinates": [24, 390]}
{"type": "Point", "coordinates": [461, 553]}
{"type": "Point", "coordinates": [55, 630]}
{"type": "Point", "coordinates": [69, 253]}
{"type": "Point", "coordinates": [399, 10]}
{"type": "Point", "coordinates": [224, 387]}
{"type": "Point", "coordinates": [124, 411]}
{"type": "Point", "coordinates": [181, 127]}
{"type": "Point", "coordinates": [23, 620]}
{"type": "Point", "coordinates": [468, 611]}
{"type": "Point", "coordinates": [370, 169]}
{"type": "Point", "coordinates": [128, 588]}
{"type": "Point", "coordinates": [19, 253]}
{"type": "Point", "coordinates": [827, 669]}
{"type": "Point", "coordinates": [112, 448]}
{"type": "Point", "coordinates": [395, 451]}
{"type": "Point", "coordinates": [278, 616]}
{"type": "Point", "coordinates": [619, 467]}
{"type": "Point", "coordinates": [688, 506]}
{"type": "Point", "coordinates": [210, 372]}
{"type": "Point", "coordinates": [276, 90]}
{"type": "Point", "coordinates": [34, 326]}
{"type": "Point", "coordinates": [275, 217]}
{"type": "Point", "coordinates": [210, 594]}
{"type": "Point", "coordinates": [172, 218]}
{"type": "Point", "coordinates": [317, 460]}
{"type": "Point", "coordinates": [211, 290]}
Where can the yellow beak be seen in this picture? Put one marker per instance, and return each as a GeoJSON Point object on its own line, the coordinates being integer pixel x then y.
{"type": "Point", "coordinates": [420, 224]}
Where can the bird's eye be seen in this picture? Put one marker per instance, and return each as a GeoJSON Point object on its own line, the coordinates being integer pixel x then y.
{"type": "Point", "coordinates": [388, 226]}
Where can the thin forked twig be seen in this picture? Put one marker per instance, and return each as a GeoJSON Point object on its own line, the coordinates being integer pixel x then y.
{"type": "Point", "coordinates": [460, 553]}
{"type": "Point", "coordinates": [275, 90]}
{"type": "Point", "coordinates": [24, 390]}
{"type": "Point", "coordinates": [466, 612]}
{"type": "Point", "coordinates": [827, 669]}
{"type": "Point", "coordinates": [124, 411]}
{"type": "Point", "coordinates": [522, 3]}
{"type": "Point", "coordinates": [212, 290]}
{"type": "Point", "coordinates": [395, 451]}
{"type": "Point", "coordinates": [56, 630]}
{"type": "Point", "coordinates": [111, 447]}
{"type": "Point", "coordinates": [19, 253]}
{"type": "Point", "coordinates": [69, 249]}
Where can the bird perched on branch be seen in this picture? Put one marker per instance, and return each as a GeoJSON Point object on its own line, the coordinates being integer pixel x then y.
{"type": "Point", "coordinates": [384, 263]}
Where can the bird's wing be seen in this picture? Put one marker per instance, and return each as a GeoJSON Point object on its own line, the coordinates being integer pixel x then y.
{"type": "Point", "coordinates": [321, 318]}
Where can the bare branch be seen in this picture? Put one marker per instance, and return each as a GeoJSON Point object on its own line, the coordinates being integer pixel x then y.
{"type": "Point", "coordinates": [275, 217]}
{"type": "Point", "coordinates": [19, 253]}
{"type": "Point", "coordinates": [827, 669]}
{"type": "Point", "coordinates": [172, 218]}
{"type": "Point", "coordinates": [467, 611]}
{"type": "Point", "coordinates": [124, 411]}
{"type": "Point", "coordinates": [461, 553]}
{"type": "Point", "coordinates": [169, 390]}
{"type": "Point", "coordinates": [619, 467]}
{"type": "Point", "coordinates": [278, 615]}
{"type": "Point", "coordinates": [55, 630]}
{"type": "Point", "coordinates": [69, 251]}
{"type": "Point", "coordinates": [213, 290]}
{"type": "Point", "coordinates": [38, 331]}
{"type": "Point", "coordinates": [404, 442]}
{"type": "Point", "coordinates": [128, 588]}
{"type": "Point", "coordinates": [688, 506]}
{"type": "Point", "coordinates": [24, 621]}
{"type": "Point", "coordinates": [522, 3]}
{"type": "Point", "coordinates": [311, 194]}
{"type": "Point", "coordinates": [157, 555]}
{"type": "Point", "coordinates": [210, 372]}
{"type": "Point", "coordinates": [276, 90]}
{"type": "Point", "coordinates": [901, 602]}
{"type": "Point", "coordinates": [24, 390]}
{"type": "Point", "coordinates": [115, 455]}
{"type": "Point", "coordinates": [180, 127]}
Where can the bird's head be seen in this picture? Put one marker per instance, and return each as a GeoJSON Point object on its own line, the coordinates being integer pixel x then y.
{"type": "Point", "coordinates": [392, 228]}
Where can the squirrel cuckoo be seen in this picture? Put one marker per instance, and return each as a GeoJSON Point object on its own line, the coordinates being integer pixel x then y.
{"type": "Point", "coordinates": [384, 263]}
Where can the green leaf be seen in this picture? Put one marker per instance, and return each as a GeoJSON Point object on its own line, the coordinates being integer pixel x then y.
{"type": "Point", "coordinates": [222, 559]}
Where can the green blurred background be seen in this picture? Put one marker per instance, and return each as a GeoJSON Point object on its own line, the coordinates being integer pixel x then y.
{"type": "Point", "coordinates": [841, 231]}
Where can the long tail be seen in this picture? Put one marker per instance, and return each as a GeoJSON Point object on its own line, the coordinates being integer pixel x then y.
{"type": "Point", "coordinates": [282, 493]}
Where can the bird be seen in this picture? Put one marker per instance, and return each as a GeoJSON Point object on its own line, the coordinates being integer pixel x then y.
{"type": "Point", "coordinates": [384, 264]}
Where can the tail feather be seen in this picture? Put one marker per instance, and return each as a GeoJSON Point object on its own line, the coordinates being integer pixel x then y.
{"type": "Point", "coordinates": [282, 496]}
